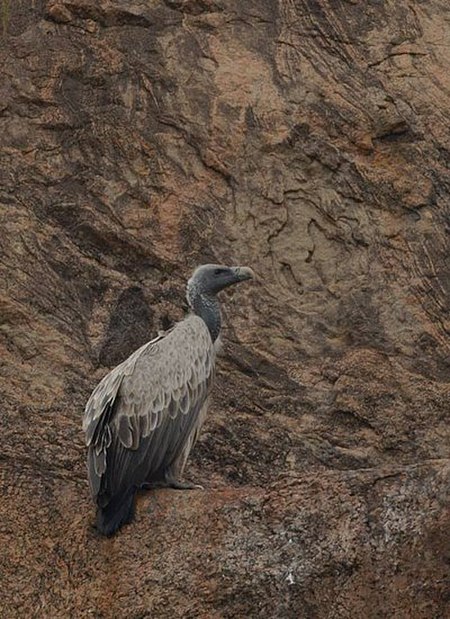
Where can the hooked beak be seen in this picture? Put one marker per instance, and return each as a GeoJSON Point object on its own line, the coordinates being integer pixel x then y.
{"type": "Point", "coordinates": [243, 273]}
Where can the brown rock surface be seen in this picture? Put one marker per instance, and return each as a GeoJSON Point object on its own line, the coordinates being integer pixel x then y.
{"type": "Point", "coordinates": [310, 140]}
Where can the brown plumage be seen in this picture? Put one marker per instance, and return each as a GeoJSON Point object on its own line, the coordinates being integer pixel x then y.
{"type": "Point", "coordinates": [144, 417]}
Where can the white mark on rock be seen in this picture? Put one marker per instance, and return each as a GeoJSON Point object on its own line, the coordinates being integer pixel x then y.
{"type": "Point", "coordinates": [290, 579]}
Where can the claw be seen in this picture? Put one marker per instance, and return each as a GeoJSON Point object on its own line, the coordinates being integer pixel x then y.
{"type": "Point", "coordinates": [183, 485]}
{"type": "Point", "coordinates": [171, 483]}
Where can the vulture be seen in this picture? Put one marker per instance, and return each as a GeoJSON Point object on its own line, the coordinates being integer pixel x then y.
{"type": "Point", "coordinates": [144, 417]}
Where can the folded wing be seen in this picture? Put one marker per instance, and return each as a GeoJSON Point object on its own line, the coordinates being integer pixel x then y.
{"type": "Point", "coordinates": [140, 416]}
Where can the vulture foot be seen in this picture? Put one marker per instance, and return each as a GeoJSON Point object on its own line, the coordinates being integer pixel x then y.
{"type": "Point", "coordinates": [171, 483]}
{"type": "Point", "coordinates": [183, 485]}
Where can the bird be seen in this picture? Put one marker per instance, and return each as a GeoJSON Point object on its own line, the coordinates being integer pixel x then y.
{"type": "Point", "coordinates": [144, 417]}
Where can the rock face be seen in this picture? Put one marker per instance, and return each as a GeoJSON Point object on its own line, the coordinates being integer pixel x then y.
{"type": "Point", "coordinates": [310, 140]}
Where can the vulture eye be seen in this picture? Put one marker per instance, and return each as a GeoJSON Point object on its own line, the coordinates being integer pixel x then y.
{"type": "Point", "coordinates": [219, 271]}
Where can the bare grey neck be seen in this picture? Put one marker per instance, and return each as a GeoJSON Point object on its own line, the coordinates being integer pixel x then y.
{"type": "Point", "coordinates": [208, 308]}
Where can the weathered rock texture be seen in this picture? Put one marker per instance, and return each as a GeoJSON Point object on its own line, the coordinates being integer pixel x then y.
{"type": "Point", "coordinates": [306, 138]}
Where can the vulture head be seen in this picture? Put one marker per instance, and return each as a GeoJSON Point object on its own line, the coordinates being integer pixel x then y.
{"type": "Point", "coordinates": [210, 279]}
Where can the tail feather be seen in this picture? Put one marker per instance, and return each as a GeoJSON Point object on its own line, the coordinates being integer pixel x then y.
{"type": "Point", "coordinates": [119, 510]}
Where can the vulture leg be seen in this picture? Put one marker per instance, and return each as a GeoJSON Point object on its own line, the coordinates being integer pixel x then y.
{"type": "Point", "coordinates": [171, 483]}
{"type": "Point", "coordinates": [183, 485]}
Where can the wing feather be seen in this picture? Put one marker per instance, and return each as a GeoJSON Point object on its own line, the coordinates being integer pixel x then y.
{"type": "Point", "coordinates": [140, 416]}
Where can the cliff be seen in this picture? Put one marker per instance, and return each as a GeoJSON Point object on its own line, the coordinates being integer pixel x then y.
{"type": "Point", "coordinates": [307, 139]}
